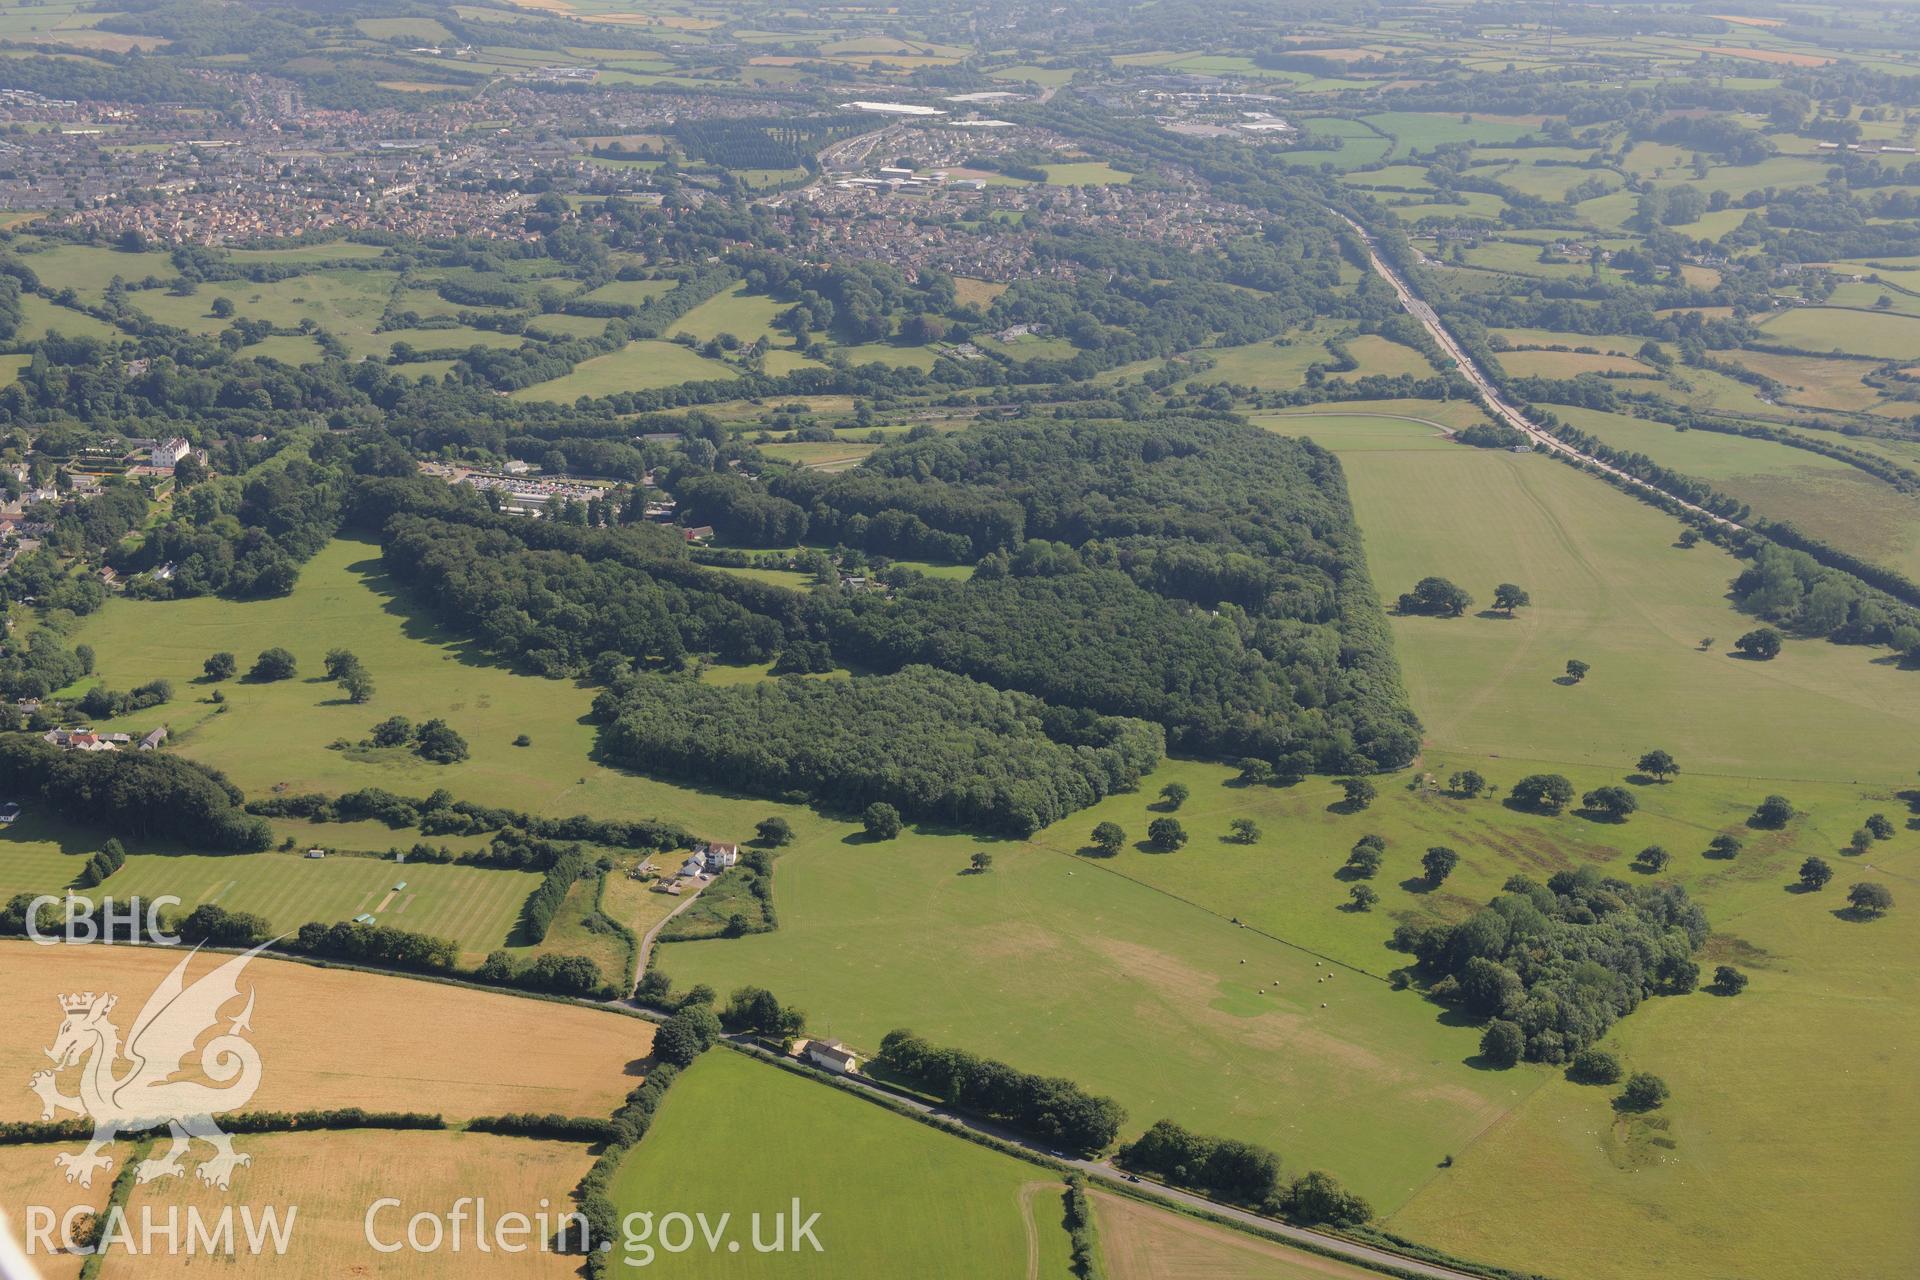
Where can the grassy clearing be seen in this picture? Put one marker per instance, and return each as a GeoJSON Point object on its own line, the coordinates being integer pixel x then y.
{"type": "Point", "coordinates": [335, 1038]}
{"type": "Point", "coordinates": [40, 318]}
{"type": "Point", "coordinates": [894, 1197]}
{"type": "Point", "coordinates": [746, 316]}
{"type": "Point", "coordinates": [1266, 366]}
{"type": "Point", "coordinates": [336, 1178]}
{"type": "Point", "coordinates": [1385, 357]}
{"type": "Point", "coordinates": [638, 366]}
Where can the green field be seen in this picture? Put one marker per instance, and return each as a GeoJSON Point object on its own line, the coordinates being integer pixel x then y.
{"type": "Point", "coordinates": [746, 316]}
{"type": "Point", "coordinates": [894, 1197]}
{"type": "Point", "coordinates": [1827, 497]}
{"type": "Point", "coordinates": [1822, 329]}
{"type": "Point", "coordinates": [638, 366]}
{"type": "Point", "coordinates": [1056, 965]}
{"type": "Point", "coordinates": [275, 734]}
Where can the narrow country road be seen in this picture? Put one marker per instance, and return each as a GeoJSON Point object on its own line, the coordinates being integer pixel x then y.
{"type": "Point", "coordinates": [1418, 308]}
{"type": "Point", "coordinates": [652, 935]}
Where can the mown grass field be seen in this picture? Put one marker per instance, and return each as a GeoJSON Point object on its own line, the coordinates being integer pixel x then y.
{"type": "Point", "coordinates": [638, 366]}
{"type": "Point", "coordinates": [334, 1038]}
{"type": "Point", "coordinates": [894, 1197]}
{"type": "Point", "coordinates": [474, 908]}
{"type": "Point", "coordinates": [337, 1178]}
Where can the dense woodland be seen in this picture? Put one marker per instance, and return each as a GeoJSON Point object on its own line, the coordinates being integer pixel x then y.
{"type": "Point", "coordinates": [938, 746]}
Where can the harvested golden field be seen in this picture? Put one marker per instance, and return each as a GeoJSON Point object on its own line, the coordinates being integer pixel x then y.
{"type": "Point", "coordinates": [332, 1038]}
{"type": "Point", "coordinates": [28, 1177]}
{"type": "Point", "coordinates": [335, 1179]}
{"type": "Point", "coordinates": [1140, 1242]}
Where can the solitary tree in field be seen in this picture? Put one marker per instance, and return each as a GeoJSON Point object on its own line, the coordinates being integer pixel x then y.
{"type": "Point", "coordinates": [438, 741]}
{"type": "Point", "coordinates": [1724, 847]}
{"type": "Point", "coordinates": [1467, 782]}
{"type": "Point", "coordinates": [273, 664]}
{"type": "Point", "coordinates": [1577, 670]}
{"type": "Point", "coordinates": [1245, 830]}
{"type": "Point", "coordinates": [339, 662]}
{"type": "Point", "coordinates": [1174, 794]}
{"type": "Point", "coordinates": [773, 832]}
{"type": "Point", "coordinates": [1360, 792]}
{"type": "Point", "coordinates": [1439, 863]}
{"type": "Point", "coordinates": [1364, 861]}
{"type": "Point", "coordinates": [220, 666]}
{"type": "Point", "coordinates": [1644, 1092]}
{"type": "Point", "coordinates": [1861, 842]}
{"type": "Point", "coordinates": [1880, 827]}
{"type": "Point", "coordinates": [1728, 981]}
{"type": "Point", "coordinates": [1108, 837]}
{"type": "Point", "coordinates": [358, 686]}
{"type": "Point", "coordinates": [981, 861]}
{"type": "Point", "coordinates": [1762, 644]}
{"type": "Point", "coordinates": [1869, 899]}
{"type": "Point", "coordinates": [1510, 597]}
{"type": "Point", "coordinates": [1652, 859]}
{"type": "Point", "coordinates": [1659, 764]}
{"type": "Point", "coordinates": [1773, 813]}
{"type": "Point", "coordinates": [1166, 834]}
{"type": "Point", "coordinates": [1814, 874]}
{"type": "Point", "coordinates": [1363, 897]}
{"type": "Point", "coordinates": [1616, 803]}
{"type": "Point", "coordinates": [881, 821]}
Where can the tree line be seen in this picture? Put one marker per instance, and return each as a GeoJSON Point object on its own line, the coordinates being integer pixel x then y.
{"type": "Point", "coordinates": [1046, 1107]}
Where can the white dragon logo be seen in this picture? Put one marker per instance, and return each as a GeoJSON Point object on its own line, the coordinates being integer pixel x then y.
{"type": "Point", "coordinates": [145, 1096]}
